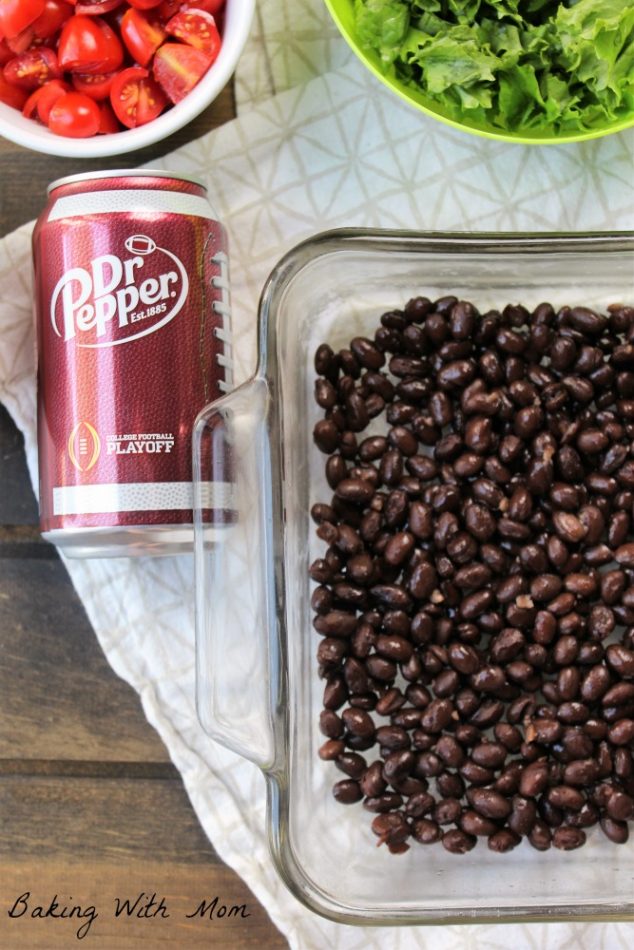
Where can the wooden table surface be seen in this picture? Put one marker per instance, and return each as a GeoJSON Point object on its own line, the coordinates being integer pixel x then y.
{"type": "Point", "coordinates": [91, 809]}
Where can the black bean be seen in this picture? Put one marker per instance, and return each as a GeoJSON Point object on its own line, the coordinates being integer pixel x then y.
{"type": "Point", "coordinates": [523, 815]}
{"type": "Point", "coordinates": [625, 555]}
{"type": "Point", "coordinates": [476, 604]}
{"type": "Point", "coordinates": [503, 841]}
{"type": "Point", "coordinates": [489, 803]}
{"type": "Point", "coordinates": [463, 658]}
{"type": "Point", "coordinates": [399, 548]}
{"type": "Point", "coordinates": [619, 694]}
{"type": "Point", "coordinates": [357, 490]}
{"type": "Point", "coordinates": [386, 802]}
{"type": "Point", "coordinates": [458, 842]}
{"type": "Point", "coordinates": [336, 623]}
{"type": "Point", "coordinates": [347, 792]}
{"type": "Point", "coordinates": [480, 573]}
{"type": "Point", "coordinates": [331, 749]}
{"type": "Point", "coordinates": [473, 576]}
{"type": "Point", "coordinates": [534, 779]}
{"type": "Point", "coordinates": [351, 764]}
{"type": "Point", "coordinates": [491, 755]}
{"type": "Point", "coordinates": [367, 353]}
{"type": "Point", "coordinates": [426, 831]}
{"type": "Point", "coordinates": [567, 838]}
{"type": "Point", "coordinates": [616, 831]}
{"type": "Point", "coordinates": [358, 722]}
{"type": "Point", "coordinates": [622, 732]}
{"type": "Point", "coordinates": [620, 806]}
{"type": "Point", "coordinates": [621, 660]}
{"type": "Point", "coordinates": [437, 715]}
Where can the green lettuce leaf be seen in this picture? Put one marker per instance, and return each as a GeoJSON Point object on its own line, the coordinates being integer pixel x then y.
{"type": "Point", "coordinates": [512, 64]}
{"type": "Point", "coordinates": [520, 100]}
{"type": "Point", "coordinates": [382, 25]}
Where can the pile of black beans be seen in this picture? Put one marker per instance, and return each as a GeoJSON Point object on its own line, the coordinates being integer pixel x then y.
{"type": "Point", "coordinates": [476, 597]}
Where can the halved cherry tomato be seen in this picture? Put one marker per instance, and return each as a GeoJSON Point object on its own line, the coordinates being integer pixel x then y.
{"type": "Point", "coordinates": [95, 85]}
{"type": "Point", "coordinates": [196, 28]}
{"type": "Point", "coordinates": [96, 7]}
{"type": "Point", "coordinates": [33, 68]}
{"type": "Point", "coordinates": [75, 116]}
{"type": "Point", "coordinates": [50, 21]}
{"type": "Point", "coordinates": [144, 4]}
{"type": "Point", "coordinates": [43, 99]}
{"type": "Point", "coordinates": [89, 45]}
{"type": "Point", "coordinates": [209, 6]}
{"type": "Point", "coordinates": [177, 68]}
{"type": "Point", "coordinates": [12, 95]}
{"type": "Point", "coordinates": [141, 36]}
{"type": "Point", "coordinates": [136, 98]}
{"type": "Point", "coordinates": [20, 43]}
{"type": "Point", "coordinates": [5, 53]}
{"type": "Point", "coordinates": [16, 15]}
{"type": "Point", "coordinates": [168, 8]}
{"type": "Point", "coordinates": [107, 120]}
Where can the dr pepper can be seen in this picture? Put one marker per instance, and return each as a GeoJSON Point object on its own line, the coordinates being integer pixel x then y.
{"type": "Point", "coordinates": [133, 330]}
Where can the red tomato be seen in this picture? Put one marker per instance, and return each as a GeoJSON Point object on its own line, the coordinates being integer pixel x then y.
{"type": "Point", "coordinates": [197, 29]}
{"type": "Point", "coordinates": [75, 116]}
{"type": "Point", "coordinates": [33, 68]}
{"type": "Point", "coordinates": [209, 6]}
{"type": "Point", "coordinates": [12, 95]}
{"type": "Point", "coordinates": [16, 15]}
{"type": "Point", "coordinates": [141, 36]}
{"type": "Point", "coordinates": [168, 8]}
{"type": "Point", "coordinates": [107, 120]}
{"type": "Point", "coordinates": [136, 98]}
{"type": "Point", "coordinates": [56, 12]}
{"type": "Point", "coordinates": [177, 68]}
{"type": "Point", "coordinates": [96, 7]}
{"type": "Point", "coordinates": [89, 45]}
{"type": "Point", "coordinates": [20, 43]}
{"type": "Point", "coordinates": [5, 53]}
{"type": "Point", "coordinates": [144, 4]}
{"type": "Point", "coordinates": [43, 99]}
{"type": "Point", "coordinates": [95, 85]}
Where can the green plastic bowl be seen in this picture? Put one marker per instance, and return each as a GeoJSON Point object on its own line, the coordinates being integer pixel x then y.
{"type": "Point", "coordinates": [342, 12]}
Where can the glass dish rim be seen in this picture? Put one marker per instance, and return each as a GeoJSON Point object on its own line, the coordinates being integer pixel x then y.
{"type": "Point", "coordinates": [278, 795]}
{"type": "Point", "coordinates": [454, 242]}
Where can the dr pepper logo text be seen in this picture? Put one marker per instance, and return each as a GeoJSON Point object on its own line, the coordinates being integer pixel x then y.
{"type": "Point", "coordinates": [119, 299]}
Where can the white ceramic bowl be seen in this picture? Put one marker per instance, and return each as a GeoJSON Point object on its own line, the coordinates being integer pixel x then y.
{"type": "Point", "coordinates": [31, 134]}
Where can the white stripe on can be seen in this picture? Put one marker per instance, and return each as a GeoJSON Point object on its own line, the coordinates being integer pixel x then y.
{"type": "Point", "coordinates": [133, 201]}
{"type": "Point", "coordinates": [139, 496]}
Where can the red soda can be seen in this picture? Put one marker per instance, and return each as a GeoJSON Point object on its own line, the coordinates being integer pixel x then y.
{"type": "Point", "coordinates": [133, 329]}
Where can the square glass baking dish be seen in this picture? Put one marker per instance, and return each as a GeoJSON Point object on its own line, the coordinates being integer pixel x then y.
{"type": "Point", "coordinates": [258, 688]}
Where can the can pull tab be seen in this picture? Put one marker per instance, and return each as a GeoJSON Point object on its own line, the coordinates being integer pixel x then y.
{"type": "Point", "coordinates": [236, 623]}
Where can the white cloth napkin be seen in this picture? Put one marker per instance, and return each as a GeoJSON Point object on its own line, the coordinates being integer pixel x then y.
{"type": "Point", "coordinates": [292, 41]}
{"type": "Point", "coordinates": [338, 151]}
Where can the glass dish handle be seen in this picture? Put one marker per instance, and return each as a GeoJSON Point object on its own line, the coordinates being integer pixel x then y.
{"type": "Point", "coordinates": [235, 607]}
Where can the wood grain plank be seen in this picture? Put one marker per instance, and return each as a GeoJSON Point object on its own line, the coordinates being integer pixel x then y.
{"type": "Point", "coordinates": [96, 839]}
{"type": "Point", "coordinates": [83, 768]}
{"type": "Point", "coordinates": [29, 172]}
{"type": "Point", "coordinates": [100, 819]}
{"type": "Point", "coordinates": [17, 501]}
{"type": "Point", "coordinates": [24, 541]}
{"type": "Point", "coordinates": [59, 698]}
